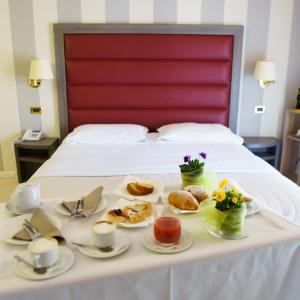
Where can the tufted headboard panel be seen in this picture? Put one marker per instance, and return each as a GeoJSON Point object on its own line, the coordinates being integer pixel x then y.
{"type": "Point", "coordinates": [148, 78]}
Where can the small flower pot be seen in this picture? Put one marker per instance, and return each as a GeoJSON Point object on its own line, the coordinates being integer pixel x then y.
{"type": "Point", "coordinates": [191, 178]}
{"type": "Point", "coordinates": [233, 223]}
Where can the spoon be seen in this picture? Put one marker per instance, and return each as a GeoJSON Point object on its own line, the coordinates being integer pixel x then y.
{"type": "Point", "coordinates": [41, 270]}
{"type": "Point", "coordinates": [103, 249]}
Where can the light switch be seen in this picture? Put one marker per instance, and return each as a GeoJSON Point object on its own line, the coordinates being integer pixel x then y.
{"type": "Point", "coordinates": [259, 109]}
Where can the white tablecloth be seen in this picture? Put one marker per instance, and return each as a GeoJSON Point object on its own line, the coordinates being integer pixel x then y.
{"type": "Point", "coordinates": [264, 266]}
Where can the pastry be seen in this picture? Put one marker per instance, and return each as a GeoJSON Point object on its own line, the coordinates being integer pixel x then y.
{"type": "Point", "coordinates": [116, 216]}
{"type": "Point", "coordinates": [183, 200]}
{"type": "Point", "coordinates": [138, 212]}
{"type": "Point", "coordinates": [197, 192]}
{"type": "Point", "coordinates": [133, 213]}
{"type": "Point", "coordinates": [247, 201]}
{"type": "Point", "coordinates": [139, 188]}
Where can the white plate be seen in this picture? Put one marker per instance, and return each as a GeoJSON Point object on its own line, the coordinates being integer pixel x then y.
{"type": "Point", "coordinates": [164, 198]}
{"type": "Point", "coordinates": [150, 243]}
{"type": "Point", "coordinates": [121, 245]}
{"type": "Point", "coordinates": [11, 226]}
{"type": "Point", "coordinates": [64, 263]}
{"type": "Point", "coordinates": [61, 210]}
{"type": "Point", "coordinates": [253, 209]}
{"type": "Point", "coordinates": [121, 190]}
{"type": "Point", "coordinates": [123, 202]}
{"type": "Point", "coordinates": [15, 211]}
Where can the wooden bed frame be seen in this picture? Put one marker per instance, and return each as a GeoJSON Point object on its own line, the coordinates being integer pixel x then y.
{"type": "Point", "coordinates": [63, 30]}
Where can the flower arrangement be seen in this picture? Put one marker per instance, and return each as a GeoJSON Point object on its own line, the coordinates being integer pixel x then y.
{"type": "Point", "coordinates": [192, 169]}
{"type": "Point", "coordinates": [193, 164]}
{"type": "Point", "coordinates": [225, 212]}
{"type": "Point", "coordinates": [227, 196]}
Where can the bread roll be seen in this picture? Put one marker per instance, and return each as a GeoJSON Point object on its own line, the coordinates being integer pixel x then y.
{"type": "Point", "coordinates": [197, 192]}
{"type": "Point", "coordinates": [183, 200]}
{"type": "Point", "coordinates": [140, 188]}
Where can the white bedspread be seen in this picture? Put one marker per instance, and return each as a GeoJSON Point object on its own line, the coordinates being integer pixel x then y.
{"type": "Point", "coordinates": [150, 157]}
{"type": "Point", "coordinates": [264, 266]}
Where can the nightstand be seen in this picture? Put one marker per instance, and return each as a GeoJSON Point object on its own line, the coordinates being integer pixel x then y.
{"type": "Point", "coordinates": [30, 155]}
{"type": "Point", "coordinates": [267, 148]}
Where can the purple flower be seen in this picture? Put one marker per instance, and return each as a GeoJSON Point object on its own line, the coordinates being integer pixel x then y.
{"type": "Point", "coordinates": [186, 158]}
{"type": "Point", "coordinates": [203, 155]}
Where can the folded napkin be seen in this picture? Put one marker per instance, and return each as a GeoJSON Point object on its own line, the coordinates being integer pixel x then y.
{"type": "Point", "coordinates": [43, 225]}
{"type": "Point", "coordinates": [89, 204]}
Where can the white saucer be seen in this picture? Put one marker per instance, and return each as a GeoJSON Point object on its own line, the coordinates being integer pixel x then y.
{"type": "Point", "coordinates": [63, 211]}
{"type": "Point", "coordinates": [150, 243]}
{"type": "Point", "coordinates": [254, 209]}
{"type": "Point", "coordinates": [64, 263]}
{"type": "Point", "coordinates": [11, 226]}
{"type": "Point", "coordinates": [121, 245]}
{"type": "Point", "coordinates": [221, 235]}
{"type": "Point", "coordinates": [15, 211]}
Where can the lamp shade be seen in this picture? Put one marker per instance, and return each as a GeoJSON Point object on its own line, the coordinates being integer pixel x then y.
{"type": "Point", "coordinates": [264, 70]}
{"type": "Point", "coordinates": [40, 69]}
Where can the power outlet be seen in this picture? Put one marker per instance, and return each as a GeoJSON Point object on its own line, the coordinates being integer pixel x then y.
{"type": "Point", "coordinates": [259, 109]}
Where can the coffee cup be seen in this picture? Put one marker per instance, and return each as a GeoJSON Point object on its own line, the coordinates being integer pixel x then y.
{"type": "Point", "coordinates": [26, 197]}
{"type": "Point", "coordinates": [103, 233]}
{"type": "Point", "coordinates": [43, 252]}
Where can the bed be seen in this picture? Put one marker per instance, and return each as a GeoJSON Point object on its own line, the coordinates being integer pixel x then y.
{"type": "Point", "coordinates": [168, 74]}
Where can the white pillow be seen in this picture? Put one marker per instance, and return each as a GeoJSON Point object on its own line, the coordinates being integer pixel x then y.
{"type": "Point", "coordinates": [107, 134]}
{"type": "Point", "coordinates": [199, 133]}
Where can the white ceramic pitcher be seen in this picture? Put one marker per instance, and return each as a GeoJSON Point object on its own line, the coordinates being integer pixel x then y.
{"type": "Point", "coordinates": [27, 196]}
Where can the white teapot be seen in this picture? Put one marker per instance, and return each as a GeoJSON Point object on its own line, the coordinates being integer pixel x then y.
{"type": "Point", "coordinates": [26, 197]}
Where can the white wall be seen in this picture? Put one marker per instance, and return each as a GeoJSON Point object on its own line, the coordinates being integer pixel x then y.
{"type": "Point", "coordinates": [9, 113]}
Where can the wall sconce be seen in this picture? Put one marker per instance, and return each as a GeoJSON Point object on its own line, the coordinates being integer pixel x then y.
{"type": "Point", "coordinates": [264, 72]}
{"type": "Point", "coordinates": [39, 69]}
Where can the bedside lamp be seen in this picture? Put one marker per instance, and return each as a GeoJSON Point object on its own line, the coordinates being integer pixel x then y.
{"type": "Point", "coordinates": [39, 69]}
{"type": "Point", "coordinates": [264, 72]}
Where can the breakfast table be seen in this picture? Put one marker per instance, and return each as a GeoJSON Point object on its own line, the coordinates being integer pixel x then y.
{"type": "Point", "coordinates": [266, 264]}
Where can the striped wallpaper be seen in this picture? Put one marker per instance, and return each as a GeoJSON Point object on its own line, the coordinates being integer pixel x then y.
{"type": "Point", "coordinates": [271, 31]}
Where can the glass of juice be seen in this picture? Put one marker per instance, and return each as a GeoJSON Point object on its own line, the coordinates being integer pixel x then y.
{"type": "Point", "coordinates": [167, 230]}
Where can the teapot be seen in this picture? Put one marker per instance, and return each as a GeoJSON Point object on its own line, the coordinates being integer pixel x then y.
{"type": "Point", "coordinates": [27, 196]}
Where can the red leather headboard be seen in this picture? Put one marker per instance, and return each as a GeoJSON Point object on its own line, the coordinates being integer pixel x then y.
{"type": "Point", "coordinates": [148, 79]}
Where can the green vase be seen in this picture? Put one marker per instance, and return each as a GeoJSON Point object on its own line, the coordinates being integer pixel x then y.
{"type": "Point", "coordinates": [191, 178]}
{"type": "Point", "coordinates": [233, 223]}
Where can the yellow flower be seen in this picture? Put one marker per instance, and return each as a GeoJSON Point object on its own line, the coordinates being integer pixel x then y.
{"type": "Point", "coordinates": [220, 196]}
{"type": "Point", "coordinates": [223, 183]}
{"type": "Point", "coordinates": [234, 189]}
{"type": "Point", "coordinates": [234, 200]}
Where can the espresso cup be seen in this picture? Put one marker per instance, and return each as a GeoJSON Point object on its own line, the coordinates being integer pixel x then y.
{"type": "Point", "coordinates": [103, 233]}
{"type": "Point", "coordinates": [43, 252]}
{"type": "Point", "coordinates": [26, 197]}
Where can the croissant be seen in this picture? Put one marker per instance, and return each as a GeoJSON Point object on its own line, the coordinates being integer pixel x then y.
{"type": "Point", "coordinates": [183, 200]}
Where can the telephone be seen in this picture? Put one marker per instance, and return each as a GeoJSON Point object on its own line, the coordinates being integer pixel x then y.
{"type": "Point", "coordinates": [32, 135]}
